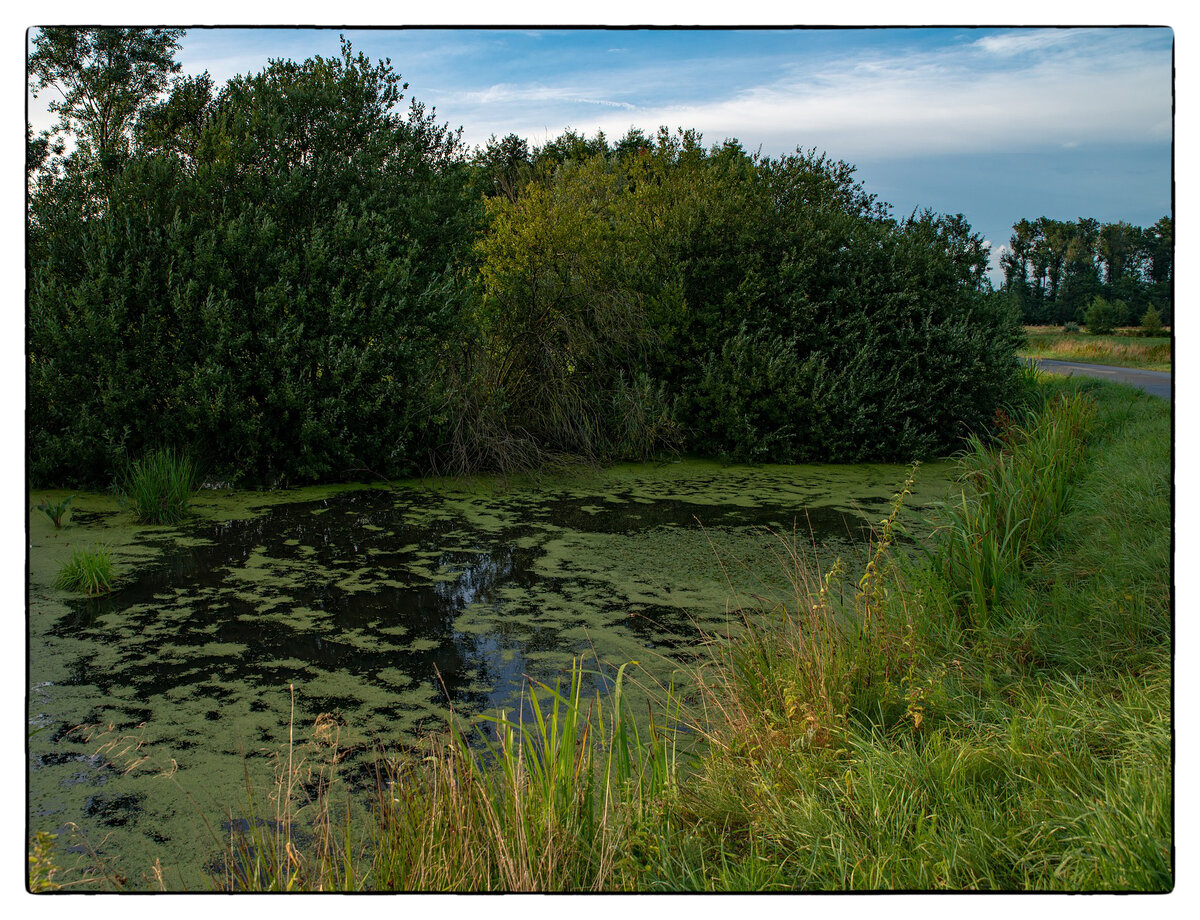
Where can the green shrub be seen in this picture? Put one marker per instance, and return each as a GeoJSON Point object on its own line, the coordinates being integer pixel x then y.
{"type": "Point", "coordinates": [275, 296]}
{"type": "Point", "coordinates": [1152, 322]}
{"type": "Point", "coordinates": [1103, 316]}
{"type": "Point", "coordinates": [159, 486]}
{"type": "Point", "coordinates": [1070, 327]}
{"type": "Point", "coordinates": [785, 315]}
{"type": "Point", "coordinates": [89, 571]}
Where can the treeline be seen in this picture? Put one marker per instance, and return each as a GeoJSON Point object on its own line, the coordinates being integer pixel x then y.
{"type": "Point", "coordinates": [1055, 270]}
{"type": "Point", "coordinates": [296, 281]}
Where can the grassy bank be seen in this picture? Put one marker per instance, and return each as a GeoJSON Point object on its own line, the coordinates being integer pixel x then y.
{"type": "Point", "coordinates": [990, 710]}
{"type": "Point", "coordinates": [1010, 729]}
{"type": "Point", "coordinates": [1127, 350]}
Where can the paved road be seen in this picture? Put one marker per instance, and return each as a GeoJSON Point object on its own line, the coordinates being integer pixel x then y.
{"type": "Point", "coordinates": [1157, 383]}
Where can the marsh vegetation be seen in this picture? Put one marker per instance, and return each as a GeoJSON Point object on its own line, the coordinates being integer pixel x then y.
{"type": "Point", "coordinates": [1152, 353]}
{"type": "Point", "coordinates": [607, 539]}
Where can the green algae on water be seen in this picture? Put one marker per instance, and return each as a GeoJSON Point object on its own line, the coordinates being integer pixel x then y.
{"type": "Point", "coordinates": [386, 608]}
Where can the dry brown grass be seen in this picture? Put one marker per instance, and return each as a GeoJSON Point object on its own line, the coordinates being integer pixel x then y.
{"type": "Point", "coordinates": [1120, 350]}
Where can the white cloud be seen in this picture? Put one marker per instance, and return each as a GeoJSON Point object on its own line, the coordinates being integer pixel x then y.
{"type": "Point", "coordinates": [1081, 87]}
{"type": "Point", "coordinates": [507, 93]}
{"type": "Point", "coordinates": [1011, 43]}
{"type": "Point", "coordinates": [1017, 90]}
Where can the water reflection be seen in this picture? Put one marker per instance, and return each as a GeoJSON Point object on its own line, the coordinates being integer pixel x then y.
{"type": "Point", "coordinates": [384, 607]}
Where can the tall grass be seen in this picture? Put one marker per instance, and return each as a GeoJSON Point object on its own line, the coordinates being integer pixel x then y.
{"type": "Point", "coordinates": [158, 487]}
{"type": "Point", "coordinates": [549, 802]}
{"type": "Point", "coordinates": [1152, 353]}
{"type": "Point", "coordinates": [797, 667]}
{"type": "Point", "coordinates": [89, 571]}
{"type": "Point", "coordinates": [918, 722]}
{"type": "Point", "coordinates": [1012, 499]}
{"type": "Point", "coordinates": [1030, 755]}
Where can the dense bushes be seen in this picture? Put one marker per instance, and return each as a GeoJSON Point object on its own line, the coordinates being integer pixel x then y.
{"type": "Point", "coordinates": [785, 315]}
{"type": "Point", "coordinates": [1102, 316]}
{"type": "Point", "coordinates": [271, 292]}
{"type": "Point", "coordinates": [294, 282]}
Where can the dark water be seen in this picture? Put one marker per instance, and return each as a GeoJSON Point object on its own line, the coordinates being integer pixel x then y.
{"type": "Point", "coordinates": [385, 608]}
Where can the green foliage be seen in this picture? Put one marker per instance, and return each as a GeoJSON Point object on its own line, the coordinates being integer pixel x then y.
{"type": "Point", "coordinates": [785, 316]}
{"type": "Point", "coordinates": [1102, 316]}
{"type": "Point", "coordinates": [102, 77]}
{"type": "Point", "coordinates": [55, 510]}
{"type": "Point", "coordinates": [294, 281]}
{"type": "Point", "coordinates": [159, 486]}
{"type": "Point", "coordinates": [42, 867]}
{"type": "Point", "coordinates": [271, 286]}
{"type": "Point", "coordinates": [563, 333]}
{"type": "Point", "coordinates": [1055, 269]}
{"type": "Point", "coordinates": [1013, 497]}
{"type": "Point", "coordinates": [1070, 327]}
{"type": "Point", "coordinates": [1152, 322]}
{"type": "Point", "coordinates": [89, 571]}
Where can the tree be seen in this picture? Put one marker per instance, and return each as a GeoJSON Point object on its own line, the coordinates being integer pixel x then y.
{"type": "Point", "coordinates": [1159, 244]}
{"type": "Point", "coordinates": [1016, 266]}
{"type": "Point", "coordinates": [1103, 316]}
{"type": "Point", "coordinates": [634, 143]}
{"type": "Point", "coordinates": [1081, 281]}
{"type": "Point", "coordinates": [964, 247]}
{"type": "Point", "coordinates": [1118, 251]}
{"type": "Point", "coordinates": [272, 284]}
{"type": "Point", "coordinates": [505, 166]}
{"type": "Point", "coordinates": [174, 125]}
{"type": "Point", "coordinates": [570, 147]}
{"type": "Point", "coordinates": [104, 76]}
{"type": "Point", "coordinates": [1152, 322]}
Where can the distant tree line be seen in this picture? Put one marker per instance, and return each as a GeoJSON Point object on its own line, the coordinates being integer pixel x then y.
{"type": "Point", "coordinates": [298, 280]}
{"type": "Point", "coordinates": [1055, 270]}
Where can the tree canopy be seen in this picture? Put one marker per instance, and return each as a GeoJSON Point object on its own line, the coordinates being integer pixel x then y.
{"type": "Point", "coordinates": [1054, 269]}
{"type": "Point", "coordinates": [299, 277]}
{"type": "Point", "coordinates": [103, 77]}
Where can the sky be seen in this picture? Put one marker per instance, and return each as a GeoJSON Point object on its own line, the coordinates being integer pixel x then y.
{"type": "Point", "coordinates": [998, 124]}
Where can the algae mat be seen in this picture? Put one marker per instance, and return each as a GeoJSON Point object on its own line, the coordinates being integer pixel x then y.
{"type": "Point", "coordinates": [151, 711]}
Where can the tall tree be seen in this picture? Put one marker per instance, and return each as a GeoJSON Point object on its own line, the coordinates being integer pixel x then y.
{"type": "Point", "coordinates": [1081, 281]}
{"type": "Point", "coordinates": [175, 125]}
{"type": "Point", "coordinates": [1016, 266]}
{"type": "Point", "coordinates": [104, 76]}
{"type": "Point", "coordinates": [1159, 244]}
{"type": "Point", "coordinates": [274, 292]}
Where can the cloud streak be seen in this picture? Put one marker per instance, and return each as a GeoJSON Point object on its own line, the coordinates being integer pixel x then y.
{"type": "Point", "coordinates": [530, 94]}
{"type": "Point", "coordinates": [1012, 91]}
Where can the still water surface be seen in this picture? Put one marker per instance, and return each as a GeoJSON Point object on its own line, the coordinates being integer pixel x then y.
{"type": "Point", "coordinates": [385, 607]}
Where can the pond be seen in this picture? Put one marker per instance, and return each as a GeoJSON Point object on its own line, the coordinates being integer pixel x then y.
{"type": "Point", "coordinates": [384, 605]}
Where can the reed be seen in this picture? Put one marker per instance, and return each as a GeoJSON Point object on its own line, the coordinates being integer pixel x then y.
{"type": "Point", "coordinates": [158, 487]}
{"type": "Point", "coordinates": [546, 802]}
{"type": "Point", "coordinates": [89, 571]}
{"type": "Point", "coordinates": [1012, 497]}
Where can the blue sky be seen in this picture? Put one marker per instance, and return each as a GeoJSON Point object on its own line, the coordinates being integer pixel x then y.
{"type": "Point", "coordinates": [999, 124]}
